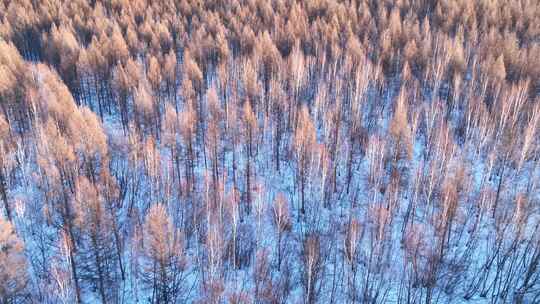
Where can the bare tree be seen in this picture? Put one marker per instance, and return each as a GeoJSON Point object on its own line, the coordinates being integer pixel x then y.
{"type": "Point", "coordinates": [312, 267]}
{"type": "Point", "coordinates": [282, 222]}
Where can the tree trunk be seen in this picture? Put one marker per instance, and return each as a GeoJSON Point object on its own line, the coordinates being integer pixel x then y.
{"type": "Point", "coordinates": [3, 192]}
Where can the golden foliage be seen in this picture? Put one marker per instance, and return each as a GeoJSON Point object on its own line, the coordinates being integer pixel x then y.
{"type": "Point", "coordinates": [13, 264]}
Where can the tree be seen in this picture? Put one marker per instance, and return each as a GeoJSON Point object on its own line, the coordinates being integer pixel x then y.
{"type": "Point", "coordinates": [304, 143]}
{"type": "Point", "coordinates": [278, 101]}
{"type": "Point", "coordinates": [95, 64]}
{"type": "Point", "coordinates": [154, 75]}
{"type": "Point", "coordinates": [352, 238]}
{"type": "Point", "coordinates": [63, 49]}
{"type": "Point", "coordinates": [312, 267]}
{"type": "Point", "coordinates": [13, 266]}
{"type": "Point", "coordinates": [99, 263]}
{"type": "Point", "coordinates": [213, 131]}
{"type": "Point", "coordinates": [262, 277]}
{"type": "Point", "coordinates": [233, 202]}
{"type": "Point", "coordinates": [145, 115]}
{"type": "Point", "coordinates": [296, 75]}
{"type": "Point", "coordinates": [498, 70]}
{"type": "Point", "coordinates": [4, 149]}
{"type": "Point", "coordinates": [170, 138]}
{"type": "Point", "coordinates": [118, 48]}
{"type": "Point", "coordinates": [124, 82]}
{"type": "Point", "coordinates": [529, 135]}
{"type": "Point", "coordinates": [163, 261]}
{"type": "Point", "coordinates": [251, 84]}
{"type": "Point", "coordinates": [250, 126]}
{"type": "Point", "coordinates": [270, 59]}
{"type": "Point", "coordinates": [170, 76]}
{"type": "Point", "coordinates": [14, 75]}
{"type": "Point", "coordinates": [400, 132]}
{"type": "Point", "coordinates": [192, 84]}
{"type": "Point", "coordinates": [281, 220]}
{"type": "Point", "coordinates": [69, 139]}
{"type": "Point", "coordinates": [188, 127]}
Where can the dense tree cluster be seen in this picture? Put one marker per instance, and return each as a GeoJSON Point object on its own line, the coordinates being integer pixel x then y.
{"type": "Point", "coordinates": [255, 151]}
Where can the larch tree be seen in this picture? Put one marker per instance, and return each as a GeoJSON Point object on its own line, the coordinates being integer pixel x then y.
{"type": "Point", "coordinates": [193, 84]}
{"type": "Point", "coordinates": [124, 84]}
{"type": "Point", "coordinates": [145, 115]}
{"type": "Point", "coordinates": [117, 46]}
{"type": "Point", "coordinates": [14, 277]}
{"type": "Point", "coordinates": [62, 145]}
{"type": "Point", "coordinates": [278, 103]}
{"type": "Point", "coordinates": [233, 127]}
{"type": "Point", "coordinates": [400, 132]}
{"type": "Point", "coordinates": [63, 49]}
{"type": "Point", "coordinates": [250, 129]}
{"type": "Point", "coordinates": [304, 144]}
{"type": "Point", "coordinates": [297, 73]}
{"type": "Point", "coordinates": [13, 71]}
{"type": "Point", "coordinates": [154, 75]}
{"type": "Point", "coordinates": [95, 65]}
{"type": "Point", "coordinates": [91, 144]}
{"type": "Point", "coordinates": [498, 70]}
{"type": "Point", "coordinates": [188, 127]}
{"type": "Point", "coordinates": [99, 264]}
{"type": "Point", "coordinates": [270, 61]}
{"type": "Point", "coordinates": [170, 138]}
{"type": "Point", "coordinates": [251, 84]}
{"type": "Point", "coordinates": [170, 75]}
{"type": "Point", "coordinates": [163, 261]}
{"type": "Point", "coordinates": [5, 147]}
{"type": "Point", "coordinates": [213, 131]}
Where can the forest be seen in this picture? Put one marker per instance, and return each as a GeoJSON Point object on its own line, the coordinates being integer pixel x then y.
{"type": "Point", "coordinates": [269, 151]}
